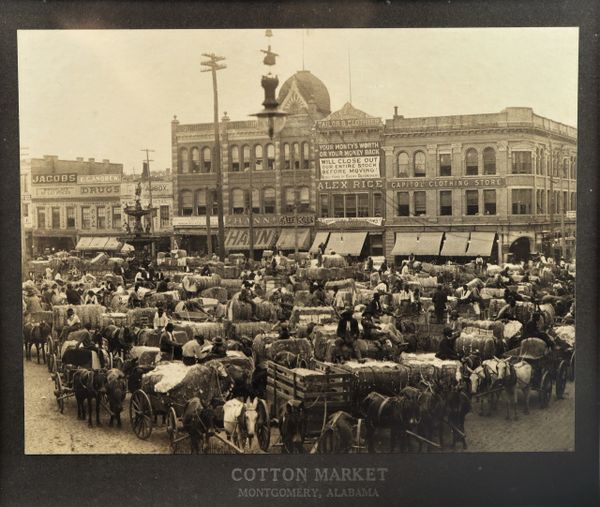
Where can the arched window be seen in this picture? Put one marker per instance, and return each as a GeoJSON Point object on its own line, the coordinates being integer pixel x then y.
{"type": "Point", "coordinates": [565, 168]}
{"type": "Point", "coordinates": [238, 203]}
{"type": "Point", "coordinates": [489, 161]}
{"type": "Point", "coordinates": [403, 163]}
{"type": "Point", "coordinates": [270, 157]}
{"type": "Point", "coordinates": [269, 200]}
{"type": "Point", "coordinates": [290, 199]}
{"type": "Point", "coordinates": [255, 200]}
{"type": "Point", "coordinates": [195, 160]}
{"type": "Point", "coordinates": [184, 163]}
{"type": "Point", "coordinates": [201, 203]}
{"type": "Point", "coordinates": [235, 159]}
{"type": "Point", "coordinates": [246, 157]}
{"type": "Point", "coordinates": [296, 155]}
{"type": "Point", "coordinates": [186, 203]}
{"type": "Point", "coordinates": [304, 199]}
{"type": "Point", "coordinates": [305, 156]}
{"type": "Point", "coordinates": [258, 157]}
{"type": "Point", "coordinates": [542, 162]}
{"type": "Point", "coordinates": [206, 160]}
{"type": "Point", "coordinates": [471, 162]}
{"type": "Point", "coordinates": [286, 157]}
{"type": "Point", "coordinates": [419, 164]}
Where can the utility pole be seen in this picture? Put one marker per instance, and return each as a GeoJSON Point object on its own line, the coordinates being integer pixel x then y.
{"type": "Point", "coordinates": [213, 66]}
{"type": "Point", "coordinates": [562, 207]}
{"type": "Point", "coordinates": [147, 150]}
{"type": "Point", "coordinates": [551, 203]}
{"type": "Point", "coordinates": [210, 198]}
{"type": "Point", "coordinates": [295, 216]}
{"type": "Point", "coordinates": [251, 213]}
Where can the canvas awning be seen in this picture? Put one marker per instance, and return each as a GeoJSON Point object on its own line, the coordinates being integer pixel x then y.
{"type": "Point", "coordinates": [84, 243]}
{"type": "Point", "coordinates": [346, 243]}
{"type": "Point", "coordinates": [113, 244]}
{"type": "Point", "coordinates": [286, 239]}
{"type": "Point", "coordinates": [406, 243]}
{"type": "Point", "coordinates": [455, 244]}
{"type": "Point", "coordinates": [481, 244]}
{"type": "Point", "coordinates": [321, 237]}
{"type": "Point", "coordinates": [239, 239]}
{"type": "Point", "coordinates": [428, 244]}
{"type": "Point", "coordinates": [98, 243]}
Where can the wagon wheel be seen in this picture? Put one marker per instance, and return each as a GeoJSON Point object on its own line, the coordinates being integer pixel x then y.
{"type": "Point", "coordinates": [572, 367]}
{"type": "Point", "coordinates": [140, 414]}
{"type": "Point", "coordinates": [172, 430]}
{"type": "Point", "coordinates": [49, 350]}
{"type": "Point", "coordinates": [561, 379]}
{"type": "Point", "coordinates": [263, 427]}
{"type": "Point", "coordinates": [59, 392]}
{"type": "Point", "coordinates": [54, 362]}
{"type": "Point", "coordinates": [545, 391]}
{"type": "Point", "coordinates": [50, 362]}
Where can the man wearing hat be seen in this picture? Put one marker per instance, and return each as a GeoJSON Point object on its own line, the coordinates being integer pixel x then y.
{"type": "Point", "coordinates": [217, 351]}
{"type": "Point", "coordinates": [346, 346]}
{"type": "Point", "coordinates": [246, 296]}
{"type": "Point", "coordinates": [168, 345]}
{"type": "Point", "coordinates": [73, 297]}
{"type": "Point", "coordinates": [455, 325]}
{"type": "Point", "coordinates": [192, 350]}
{"type": "Point", "coordinates": [73, 324]}
{"type": "Point", "coordinates": [446, 346]}
{"type": "Point", "coordinates": [319, 297]}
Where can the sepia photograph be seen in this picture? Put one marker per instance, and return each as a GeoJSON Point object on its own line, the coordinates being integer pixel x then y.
{"type": "Point", "coordinates": [298, 241]}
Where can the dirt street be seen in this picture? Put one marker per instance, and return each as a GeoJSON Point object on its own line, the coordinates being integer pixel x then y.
{"type": "Point", "coordinates": [47, 431]}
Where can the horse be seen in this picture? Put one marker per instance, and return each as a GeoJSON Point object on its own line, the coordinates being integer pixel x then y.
{"type": "Point", "coordinates": [239, 421]}
{"type": "Point", "coordinates": [89, 384]}
{"type": "Point", "coordinates": [398, 413]}
{"type": "Point", "coordinates": [484, 381]}
{"type": "Point", "coordinates": [36, 334]}
{"type": "Point", "coordinates": [338, 436]}
{"type": "Point", "coordinates": [513, 377]}
{"type": "Point", "coordinates": [116, 390]}
{"type": "Point", "coordinates": [199, 423]}
{"type": "Point", "coordinates": [292, 427]}
{"type": "Point", "coordinates": [432, 408]}
{"type": "Point", "coordinates": [120, 339]}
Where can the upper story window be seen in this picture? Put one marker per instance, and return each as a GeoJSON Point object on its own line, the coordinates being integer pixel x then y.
{"type": "Point", "coordinates": [402, 204]}
{"type": "Point", "coordinates": [472, 202]}
{"type": "Point", "coordinates": [305, 156]}
{"type": "Point", "coordinates": [235, 159]}
{"type": "Point", "coordinates": [489, 161]}
{"type": "Point", "coordinates": [270, 157]}
{"type": "Point", "coordinates": [522, 201]}
{"type": "Point", "coordinates": [195, 160]}
{"type": "Point", "coordinates": [521, 162]}
{"type": "Point", "coordinates": [238, 204]}
{"type": "Point", "coordinates": [565, 168]}
{"type": "Point", "coordinates": [201, 206]}
{"type": "Point", "coordinates": [445, 160]}
{"type": "Point", "coordinates": [403, 164]}
{"type": "Point", "coordinates": [56, 218]}
{"type": "Point", "coordinates": [206, 160]}
{"type": "Point", "coordinates": [324, 205]}
{"type": "Point", "coordinates": [296, 155]}
{"type": "Point", "coordinates": [269, 200]}
{"type": "Point", "coordinates": [489, 202]}
{"type": "Point", "coordinates": [304, 204]}
{"type": "Point", "coordinates": [246, 157]}
{"type": "Point", "coordinates": [287, 164]}
{"type": "Point", "coordinates": [445, 203]}
{"type": "Point", "coordinates": [419, 164]}
{"type": "Point", "coordinates": [290, 199]}
{"type": "Point", "coordinates": [377, 204]}
{"type": "Point", "coordinates": [186, 203]}
{"type": "Point", "coordinates": [86, 217]}
{"type": "Point", "coordinates": [100, 217]}
{"type": "Point", "coordinates": [420, 200]}
{"type": "Point", "coordinates": [472, 162]}
{"type": "Point", "coordinates": [258, 157]}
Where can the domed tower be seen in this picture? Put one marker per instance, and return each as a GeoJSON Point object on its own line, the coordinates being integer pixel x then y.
{"type": "Point", "coordinates": [304, 93]}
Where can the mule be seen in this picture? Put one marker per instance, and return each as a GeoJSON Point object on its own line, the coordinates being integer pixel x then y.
{"type": "Point", "coordinates": [36, 334]}
{"type": "Point", "coordinates": [484, 382]}
{"type": "Point", "coordinates": [458, 405]}
{"type": "Point", "coordinates": [338, 436]}
{"type": "Point", "coordinates": [432, 408]}
{"type": "Point", "coordinates": [398, 413]}
{"type": "Point", "coordinates": [239, 421]}
{"type": "Point", "coordinates": [199, 423]}
{"type": "Point", "coordinates": [89, 385]}
{"type": "Point", "coordinates": [514, 377]}
{"type": "Point", "coordinates": [293, 427]}
{"type": "Point", "coordinates": [116, 390]}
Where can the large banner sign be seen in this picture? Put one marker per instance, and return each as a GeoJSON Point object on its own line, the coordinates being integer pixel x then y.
{"type": "Point", "coordinates": [341, 161]}
{"type": "Point", "coordinates": [62, 179]}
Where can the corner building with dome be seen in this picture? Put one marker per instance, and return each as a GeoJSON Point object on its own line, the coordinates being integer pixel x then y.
{"type": "Point", "coordinates": [447, 187]}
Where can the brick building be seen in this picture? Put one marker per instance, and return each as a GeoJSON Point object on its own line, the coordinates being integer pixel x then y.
{"type": "Point", "coordinates": [281, 172]}
{"type": "Point", "coordinates": [71, 200]}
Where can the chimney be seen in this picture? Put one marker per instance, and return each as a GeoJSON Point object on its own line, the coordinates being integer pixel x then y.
{"type": "Point", "coordinates": [105, 160]}
{"type": "Point", "coordinates": [395, 111]}
{"type": "Point", "coordinates": [92, 159]}
{"type": "Point", "coordinates": [79, 159]}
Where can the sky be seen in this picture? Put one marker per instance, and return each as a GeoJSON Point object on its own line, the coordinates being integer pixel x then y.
{"type": "Point", "coordinates": [109, 93]}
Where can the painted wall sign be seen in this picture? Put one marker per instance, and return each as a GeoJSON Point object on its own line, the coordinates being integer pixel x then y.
{"type": "Point", "coordinates": [350, 185]}
{"type": "Point", "coordinates": [351, 222]}
{"type": "Point", "coordinates": [94, 191]}
{"type": "Point", "coordinates": [302, 220]}
{"type": "Point", "coordinates": [466, 182]}
{"type": "Point", "coordinates": [341, 161]}
{"type": "Point", "coordinates": [45, 179]}
{"type": "Point", "coordinates": [194, 221]}
{"type": "Point", "coordinates": [86, 179]}
{"type": "Point", "coordinates": [240, 238]}
{"type": "Point", "coordinates": [159, 188]}
{"type": "Point", "coordinates": [349, 123]}
{"type": "Point", "coordinates": [114, 190]}
{"type": "Point", "coordinates": [47, 192]}
{"type": "Point", "coordinates": [243, 220]}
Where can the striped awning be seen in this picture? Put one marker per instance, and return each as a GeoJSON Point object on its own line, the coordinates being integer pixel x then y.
{"type": "Point", "coordinates": [346, 243]}
{"type": "Point", "coordinates": [239, 239]}
{"type": "Point", "coordinates": [455, 244]}
{"type": "Point", "coordinates": [428, 244]}
{"type": "Point", "coordinates": [406, 243]}
{"type": "Point", "coordinates": [321, 237]}
{"type": "Point", "coordinates": [481, 243]}
{"type": "Point", "coordinates": [84, 243]}
{"type": "Point", "coordinates": [287, 239]}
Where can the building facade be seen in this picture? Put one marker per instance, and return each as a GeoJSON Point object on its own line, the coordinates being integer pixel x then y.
{"type": "Point", "coordinates": [71, 199]}
{"type": "Point", "coordinates": [451, 186]}
{"type": "Point", "coordinates": [277, 177]}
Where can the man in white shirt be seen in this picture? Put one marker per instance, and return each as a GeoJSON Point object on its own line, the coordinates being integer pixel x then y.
{"type": "Point", "coordinates": [191, 350]}
{"type": "Point", "coordinates": [160, 319]}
